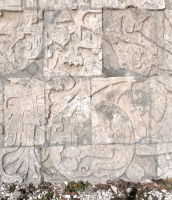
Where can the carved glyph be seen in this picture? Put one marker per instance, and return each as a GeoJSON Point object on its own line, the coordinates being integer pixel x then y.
{"type": "Point", "coordinates": [85, 90]}
{"type": "Point", "coordinates": [22, 41]}
{"type": "Point", "coordinates": [76, 47]}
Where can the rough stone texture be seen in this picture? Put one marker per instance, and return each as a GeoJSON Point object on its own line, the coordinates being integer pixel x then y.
{"type": "Point", "coordinates": [85, 90]}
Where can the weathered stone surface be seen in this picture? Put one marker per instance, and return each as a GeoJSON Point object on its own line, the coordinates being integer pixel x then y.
{"type": "Point", "coordinates": [85, 90]}
{"type": "Point", "coordinates": [147, 4]}
{"type": "Point", "coordinates": [14, 5]}
{"type": "Point", "coordinates": [68, 111]}
{"type": "Point", "coordinates": [74, 46]}
{"type": "Point", "coordinates": [63, 5]}
{"type": "Point", "coordinates": [24, 113]}
{"type": "Point", "coordinates": [21, 41]}
{"type": "Point", "coordinates": [142, 168]}
{"type": "Point", "coordinates": [168, 4]}
{"type": "Point", "coordinates": [20, 164]}
{"type": "Point", "coordinates": [93, 163]}
{"type": "Point", "coordinates": [132, 41]}
{"type": "Point", "coordinates": [122, 4]}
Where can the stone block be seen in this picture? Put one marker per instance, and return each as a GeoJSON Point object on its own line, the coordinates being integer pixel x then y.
{"type": "Point", "coordinates": [116, 117]}
{"type": "Point", "coordinates": [24, 113]}
{"type": "Point", "coordinates": [73, 42]}
{"type": "Point", "coordinates": [132, 42]}
{"type": "Point", "coordinates": [21, 44]}
{"type": "Point", "coordinates": [68, 111]}
{"type": "Point", "coordinates": [85, 90]}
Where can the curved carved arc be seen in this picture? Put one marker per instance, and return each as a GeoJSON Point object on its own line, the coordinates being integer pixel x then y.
{"type": "Point", "coordinates": [117, 165]}
{"type": "Point", "coordinates": [36, 49]}
{"type": "Point", "coordinates": [5, 178]}
{"type": "Point", "coordinates": [12, 41]}
{"type": "Point", "coordinates": [104, 83]}
{"type": "Point", "coordinates": [111, 162]}
{"type": "Point", "coordinates": [17, 165]}
{"type": "Point", "coordinates": [116, 122]}
{"type": "Point", "coordinates": [139, 125]}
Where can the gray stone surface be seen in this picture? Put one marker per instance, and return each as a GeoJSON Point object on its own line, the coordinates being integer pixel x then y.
{"type": "Point", "coordinates": [85, 90]}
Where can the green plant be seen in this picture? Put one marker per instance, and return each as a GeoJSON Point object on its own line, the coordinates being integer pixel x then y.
{"type": "Point", "coordinates": [76, 187]}
{"type": "Point", "coordinates": [167, 184]}
{"type": "Point", "coordinates": [49, 195]}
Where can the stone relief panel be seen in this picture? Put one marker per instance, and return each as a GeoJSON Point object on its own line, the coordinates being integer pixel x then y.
{"type": "Point", "coordinates": [68, 110]}
{"type": "Point", "coordinates": [133, 40]}
{"type": "Point", "coordinates": [93, 163]}
{"type": "Point", "coordinates": [161, 116]}
{"type": "Point", "coordinates": [73, 42]}
{"type": "Point", "coordinates": [85, 90]}
{"type": "Point", "coordinates": [111, 144]}
{"type": "Point", "coordinates": [24, 113]}
{"type": "Point", "coordinates": [112, 122]}
{"type": "Point", "coordinates": [21, 41]}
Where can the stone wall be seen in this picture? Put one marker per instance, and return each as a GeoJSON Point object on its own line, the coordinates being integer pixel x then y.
{"type": "Point", "coordinates": [85, 90]}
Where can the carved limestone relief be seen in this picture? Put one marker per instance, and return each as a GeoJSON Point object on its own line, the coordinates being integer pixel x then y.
{"type": "Point", "coordinates": [21, 41]}
{"type": "Point", "coordinates": [98, 163]}
{"type": "Point", "coordinates": [111, 123]}
{"type": "Point", "coordinates": [73, 42]}
{"type": "Point", "coordinates": [85, 90]}
{"type": "Point", "coordinates": [68, 103]}
{"type": "Point", "coordinates": [135, 38]}
{"type": "Point", "coordinates": [24, 113]}
{"type": "Point", "coordinates": [160, 125]}
{"type": "Point", "coordinates": [20, 164]}
{"type": "Point", "coordinates": [116, 4]}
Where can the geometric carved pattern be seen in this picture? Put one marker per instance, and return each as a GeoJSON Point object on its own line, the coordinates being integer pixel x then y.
{"type": "Point", "coordinates": [85, 90]}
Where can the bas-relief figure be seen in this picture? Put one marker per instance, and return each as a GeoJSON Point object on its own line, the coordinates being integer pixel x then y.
{"type": "Point", "coordinates": [24, 120]}
{"type": "Point", "coordinates": [85, 90]}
